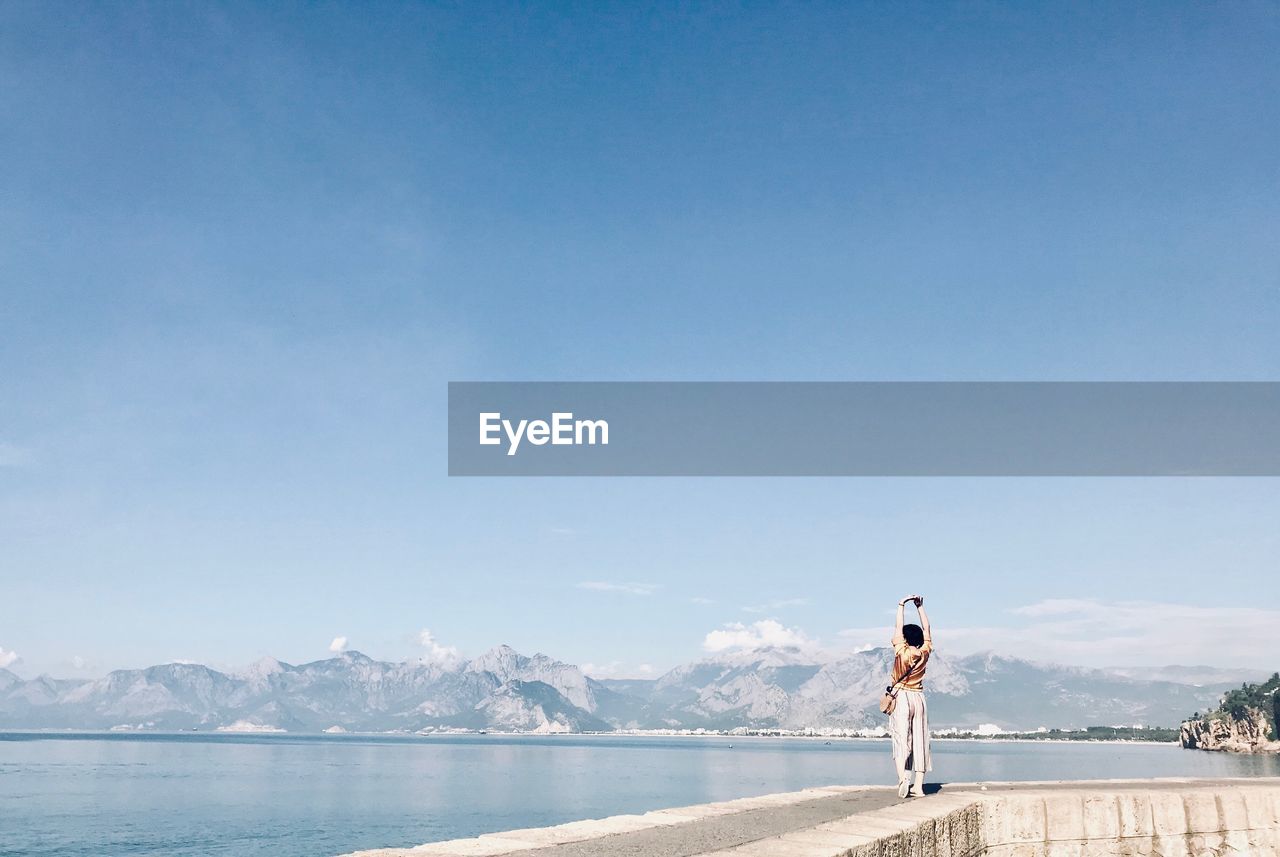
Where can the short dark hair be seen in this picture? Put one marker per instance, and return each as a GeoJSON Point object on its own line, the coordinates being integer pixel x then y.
{"type": "Point", "coordinates": [913, 634]}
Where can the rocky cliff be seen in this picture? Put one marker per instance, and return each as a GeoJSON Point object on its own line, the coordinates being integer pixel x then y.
{"type": "Point", "coordinates": [1248, 734]}
{"type": "Point", "coordinates": [1245, 722]}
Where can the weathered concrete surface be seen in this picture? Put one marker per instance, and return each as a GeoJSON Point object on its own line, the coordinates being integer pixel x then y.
{"type": "Point", "coordinates": [1103, 818]}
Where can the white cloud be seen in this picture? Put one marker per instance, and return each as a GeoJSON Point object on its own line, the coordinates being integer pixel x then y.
{"type": "Point", "coordinates": [1090, 632]}
{"type": "Point", "coordinates": [339, 644]}
{"type": "Point", "coordinates": [778, 604]}
{"type": "Point", "coordinates": [16, 456]}
{"type": "Point", "coordinates": [625, 588]}
{"type": "Point", "coordinates": [617, 669]}
{"type": "Point", "coordinates": [609, 670]}
{"type": "Point", "coordinates": [700, 600]}
{"type": "Point", "coordinates": [867, 638]}
{"type": "Point", "coordinates": [7, 658]}
{"type": "Point", "coordinates": [766, 632]}
{"type": "Point", "coordinates": [81, 664]}
{"type": "Point", "coordinates": [434, 652]}
{"type": "Point", "coordinates": [1153, 633]}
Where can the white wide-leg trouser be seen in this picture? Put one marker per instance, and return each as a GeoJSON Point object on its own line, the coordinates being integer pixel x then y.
{"type": "Point", "coordinates": [909, 727]}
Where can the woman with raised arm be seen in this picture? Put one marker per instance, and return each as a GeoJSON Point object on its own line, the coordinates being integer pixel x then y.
{"type": "Point", "coordinates": [909, 719]}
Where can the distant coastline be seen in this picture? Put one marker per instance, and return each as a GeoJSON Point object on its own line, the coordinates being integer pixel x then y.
{"type": "Point", "coordinates": [963, 737]}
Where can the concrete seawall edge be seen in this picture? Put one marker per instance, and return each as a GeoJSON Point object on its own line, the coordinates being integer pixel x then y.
{"type": "Point", "coordinates": [1172, 817]}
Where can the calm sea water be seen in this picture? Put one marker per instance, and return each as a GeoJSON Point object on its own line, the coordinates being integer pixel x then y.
{"type": "Point", "coordinates": [317, 796]}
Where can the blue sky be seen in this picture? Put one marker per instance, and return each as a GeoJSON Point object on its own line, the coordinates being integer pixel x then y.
{"type": "Point", "coordinates": [245, 247]}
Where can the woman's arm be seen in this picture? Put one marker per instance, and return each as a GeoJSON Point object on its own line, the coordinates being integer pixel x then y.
{"type": "Point", "coordinates": [924, 620]}
{"type": "Point", "coordinates": [897, 628]}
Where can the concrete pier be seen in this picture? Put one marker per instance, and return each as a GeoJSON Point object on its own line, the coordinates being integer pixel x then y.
{"type": "Point", "coordinates": [1097, 818]}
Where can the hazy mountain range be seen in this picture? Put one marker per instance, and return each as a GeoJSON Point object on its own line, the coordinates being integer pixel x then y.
{"type": "Point", "coordinates": [504, 690]}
